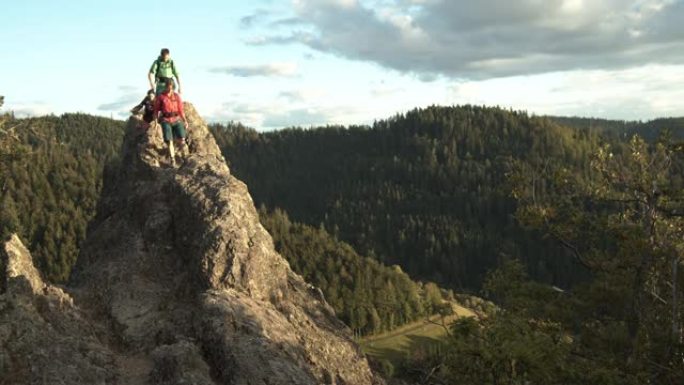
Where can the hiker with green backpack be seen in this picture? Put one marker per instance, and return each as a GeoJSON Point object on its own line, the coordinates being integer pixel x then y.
{"type": "Point", "coordinates": [163, 69]}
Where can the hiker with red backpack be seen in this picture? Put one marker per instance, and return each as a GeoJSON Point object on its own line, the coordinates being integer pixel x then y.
{"type": "Point", "coordinates": [168, 108]}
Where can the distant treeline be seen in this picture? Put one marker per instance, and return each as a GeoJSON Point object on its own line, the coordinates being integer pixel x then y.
{"type": "Point", "coordinates": [649, 130]}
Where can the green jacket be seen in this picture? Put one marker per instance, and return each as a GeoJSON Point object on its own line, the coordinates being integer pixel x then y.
{"type": "Point", "coordinates": [164, 69]}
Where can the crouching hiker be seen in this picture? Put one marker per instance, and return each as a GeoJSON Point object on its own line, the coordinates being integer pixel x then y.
{"type": "Point", "coordinates": [168, 108]}
{"type": "Point", "coordinates": [147, 108]}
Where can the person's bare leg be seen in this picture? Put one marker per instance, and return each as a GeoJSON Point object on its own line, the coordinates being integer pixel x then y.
{"type": "Point", "coordinates": [172, 154]}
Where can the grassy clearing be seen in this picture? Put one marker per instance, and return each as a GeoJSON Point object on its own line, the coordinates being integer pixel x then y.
{"type": "Point", "coordinates": [395, 346]}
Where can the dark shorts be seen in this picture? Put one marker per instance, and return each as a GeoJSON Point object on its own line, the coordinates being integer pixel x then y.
{"type": "Point", "coordinates": [174, 130]}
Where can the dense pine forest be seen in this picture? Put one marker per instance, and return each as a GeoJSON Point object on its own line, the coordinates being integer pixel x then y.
{"type": "Point", "coordinates": [504, 203]}
{"type": "Point", "coordinates": [369, 297]}
{"type": "Point", "coordinates": [427, 190]}
{"type": "Point", "coordinates": [623, 326]}
{"type": "Point", "coordinates": [51, 184]}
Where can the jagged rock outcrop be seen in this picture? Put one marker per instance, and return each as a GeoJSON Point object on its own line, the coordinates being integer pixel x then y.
{"type": "Point", "coordinates": [20, 274]}
{"type": "Point", "coordinates": [178, 283]}
{"type": "Point", "coordinates": [44, 337]}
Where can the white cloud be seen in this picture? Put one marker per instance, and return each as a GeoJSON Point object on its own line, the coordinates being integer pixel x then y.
{"type": "Point", "coordinates": [123, 103]}
{"type": "Point", "coordinates": [302, 117]}
{"type": "Point", "coordinates": [29, 110]}
{"type": "Point", "coordinates": [282, 112]}
{"type": "Point", "coordinates": [254, 18]}
{"type": "Point", "coordinates": [639, 93]}
{"type": "Point", "coordinates": [492, 38]}
{"type": "Point", "coordinates": [306, 94]}
{"type": "Point", "coordinates": [266, 70]}
{"type": "Point", "coordinates": [26, 109]}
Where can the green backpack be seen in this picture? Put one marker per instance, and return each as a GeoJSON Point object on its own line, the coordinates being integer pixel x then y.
{"type": "Point", "coordinates": [159, 63]}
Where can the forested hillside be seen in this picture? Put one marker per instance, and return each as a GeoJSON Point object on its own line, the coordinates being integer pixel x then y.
{"type": "Point", "coordinates": [624, 325]}
{"type": "Point", "coordinates": [427, 190]}
{"type": "Point", "coordinates": [367, 296]}
{"type": "Point", "coordinates": [52, 178]}
{"type": "Point", "coordinates": [448, 194]}
{"type": "Point", "coordinates": [51, 187]}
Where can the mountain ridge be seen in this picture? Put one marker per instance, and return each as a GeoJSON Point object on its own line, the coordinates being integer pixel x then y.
{"type": "Point", "coordinates": [179, 273]}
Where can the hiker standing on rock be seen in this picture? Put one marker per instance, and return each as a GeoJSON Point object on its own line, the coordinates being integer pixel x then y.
{"type": "Point", "coordinates": [163, 69]}
{"type": "Point", "coordinates": [168, 108]}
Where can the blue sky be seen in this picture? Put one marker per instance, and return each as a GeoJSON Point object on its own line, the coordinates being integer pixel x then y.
{"type": "Point", "coordinates": [271, 64]}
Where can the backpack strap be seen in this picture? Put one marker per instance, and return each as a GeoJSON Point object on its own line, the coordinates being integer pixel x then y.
{"type": "Point", "coordinates": [158, 64]}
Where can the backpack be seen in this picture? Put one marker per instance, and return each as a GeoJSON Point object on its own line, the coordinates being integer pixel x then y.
{"type": "Point", "coordinates": [159, 62]}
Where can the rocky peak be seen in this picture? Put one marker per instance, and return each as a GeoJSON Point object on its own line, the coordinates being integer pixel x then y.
{"type": "Point", "coordinates": [179, 283]}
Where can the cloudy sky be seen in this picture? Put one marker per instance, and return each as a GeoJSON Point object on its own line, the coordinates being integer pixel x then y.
{"type": "Point", "coordinates": [277, 63]}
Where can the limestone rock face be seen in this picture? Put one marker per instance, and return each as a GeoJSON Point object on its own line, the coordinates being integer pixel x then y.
{"type": "Point", "coordinates": [179, 283]}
